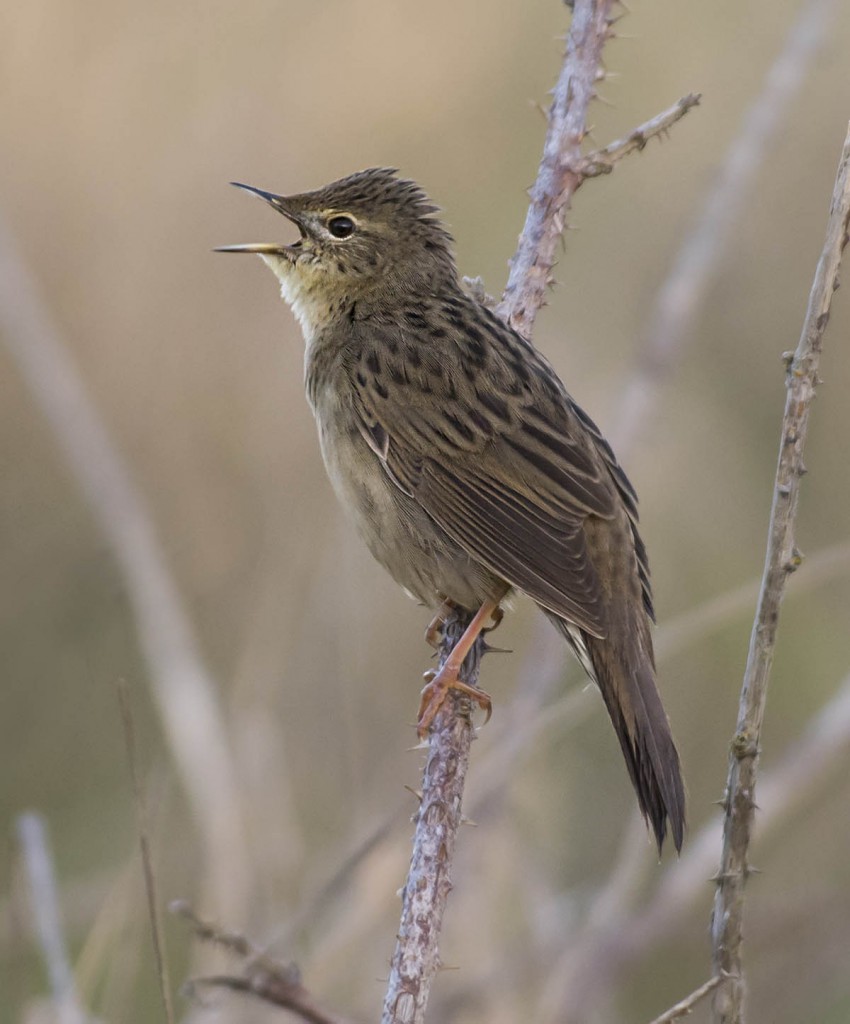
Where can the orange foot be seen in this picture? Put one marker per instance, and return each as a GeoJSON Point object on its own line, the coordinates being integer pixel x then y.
{"type": "Point", "coordinates": [435, 691]}
{"type": "Point", "coordinates": [439, 683]}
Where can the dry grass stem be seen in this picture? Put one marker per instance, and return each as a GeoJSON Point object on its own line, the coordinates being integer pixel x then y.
{"type": "Point", "coordinates": [44, 898]}
{"type": "Point", "coordinates": [183, 691]}
{"type": "Point", "coordinates": [781, 560]}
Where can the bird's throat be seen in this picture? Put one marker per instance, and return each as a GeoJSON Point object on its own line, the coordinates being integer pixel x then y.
{"type": "Point", "coordinates": [303, 292]}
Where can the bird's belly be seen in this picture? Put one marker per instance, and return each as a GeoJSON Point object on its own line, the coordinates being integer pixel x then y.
{"type": "Point", "coordinates": [415, 551]}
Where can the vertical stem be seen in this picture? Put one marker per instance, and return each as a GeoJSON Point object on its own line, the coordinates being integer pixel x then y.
{"type": "Point", "coordinates": [183, 690]}
{"type": "Point", "coordinates": [416, 959]}
{"type": "Point", "coordinates": [35, 847]}
{"type": "Point", "coordinates": [561, 167]}
{"type": "Point", "coordinates": [781, 560]}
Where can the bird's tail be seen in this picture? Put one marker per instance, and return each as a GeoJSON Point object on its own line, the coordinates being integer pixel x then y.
{"type": "Point", "coordinates": [624, 669]}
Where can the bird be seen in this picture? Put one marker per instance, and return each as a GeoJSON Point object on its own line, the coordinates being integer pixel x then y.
{"type": "Point", "coordinates": [467, 467]}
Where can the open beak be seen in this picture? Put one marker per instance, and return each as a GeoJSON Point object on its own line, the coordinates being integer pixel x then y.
{"type": "Point", "coordinates": [264, 248]}
{"type": "Point", "coordinates": [261, 248]}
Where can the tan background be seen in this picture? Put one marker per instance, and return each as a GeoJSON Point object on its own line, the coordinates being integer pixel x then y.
{"type": "Point", "coordinates": [120, 126]}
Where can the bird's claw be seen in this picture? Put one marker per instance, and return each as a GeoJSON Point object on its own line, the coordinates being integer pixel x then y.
{"type": "Point", "coordinates": [435, 691]}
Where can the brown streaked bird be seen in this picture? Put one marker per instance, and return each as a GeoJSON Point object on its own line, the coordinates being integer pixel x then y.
{"type": "Point", "coordinates": [467, 468]}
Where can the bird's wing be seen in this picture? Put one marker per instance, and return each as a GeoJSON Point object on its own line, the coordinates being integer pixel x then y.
{"type": "Point", "coordinates": [489, 444]}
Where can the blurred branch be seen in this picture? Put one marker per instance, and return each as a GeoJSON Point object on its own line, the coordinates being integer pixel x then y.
{"type": "Point", "coordinates": [625, 939]}
{"type": "Point", "coordinates": [579, 959]}
{"type": "Point", "coordinates": [184, 693]}
{"type": "Point", "coordinates": [683, 1008]}
{"type": "Point", "coordinates": [35, 849]}
{"type": "Point", "coordinates": [680, 632]}
{"type": "Point", "coordinates": [685, 288]}
{"type": "Point", "coordinates": [262, 976]}
{"type": "Point", "coordinates": [781, 560]}
{"type": "Point", "coordinates": [825, 741]}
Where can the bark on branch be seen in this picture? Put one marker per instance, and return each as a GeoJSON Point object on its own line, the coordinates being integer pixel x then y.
{"type": "Point", "coordinates": [416, 959]}
{"type": "Point", "coordinates": [781, 560]}
{"type": "Point", "coordinates": [560, 173]}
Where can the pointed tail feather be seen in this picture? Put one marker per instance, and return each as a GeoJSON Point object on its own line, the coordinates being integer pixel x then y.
{"type": "Point", "coordinates": [625, 675]}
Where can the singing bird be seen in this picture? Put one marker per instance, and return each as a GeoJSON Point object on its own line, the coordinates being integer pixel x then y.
{"type": "Point", "coordinates": [468, 469]}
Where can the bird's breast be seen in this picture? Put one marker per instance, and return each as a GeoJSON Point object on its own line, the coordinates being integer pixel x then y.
{"type": "Point", "coordinates": [400, 534]}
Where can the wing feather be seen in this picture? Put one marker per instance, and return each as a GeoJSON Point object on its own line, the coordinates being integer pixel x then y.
{"type": "Point", "coordinates": [511, 477]}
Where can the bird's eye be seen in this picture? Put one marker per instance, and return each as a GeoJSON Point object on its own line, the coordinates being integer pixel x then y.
{"type": "Point", "coordinates": [341, 227]}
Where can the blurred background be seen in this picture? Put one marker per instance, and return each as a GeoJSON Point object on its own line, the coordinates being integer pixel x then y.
{"type": "Point", "coordinates": [286, 816]}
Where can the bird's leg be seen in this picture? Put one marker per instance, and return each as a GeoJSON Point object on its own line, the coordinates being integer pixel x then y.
{"type": "Point", "coordinates": [439, 683]}
{"type": "Point", "coordinates": [435, 626]}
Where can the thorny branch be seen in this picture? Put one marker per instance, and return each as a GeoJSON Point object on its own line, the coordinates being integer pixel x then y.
{"type": "Point", "coordinates": [559, 174]}
{"type": "Point", "coordinates": [823, 744]}
{"type": "Point", "coordinates": [562, 170]}
{"type": "Point", "coordinates": [781, 560]}
{"type": "Point", "coordinates": [627, 936]}
{"type": "Point", "coordinates": [416, 958]}
{"type": "Point", "coordinates": [563, 167]}
{"type": "Point", "coordinates": [602, 160]}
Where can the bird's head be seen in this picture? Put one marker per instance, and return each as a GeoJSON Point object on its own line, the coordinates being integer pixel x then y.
{"type": "Point", "coordinates": [370, 239]}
